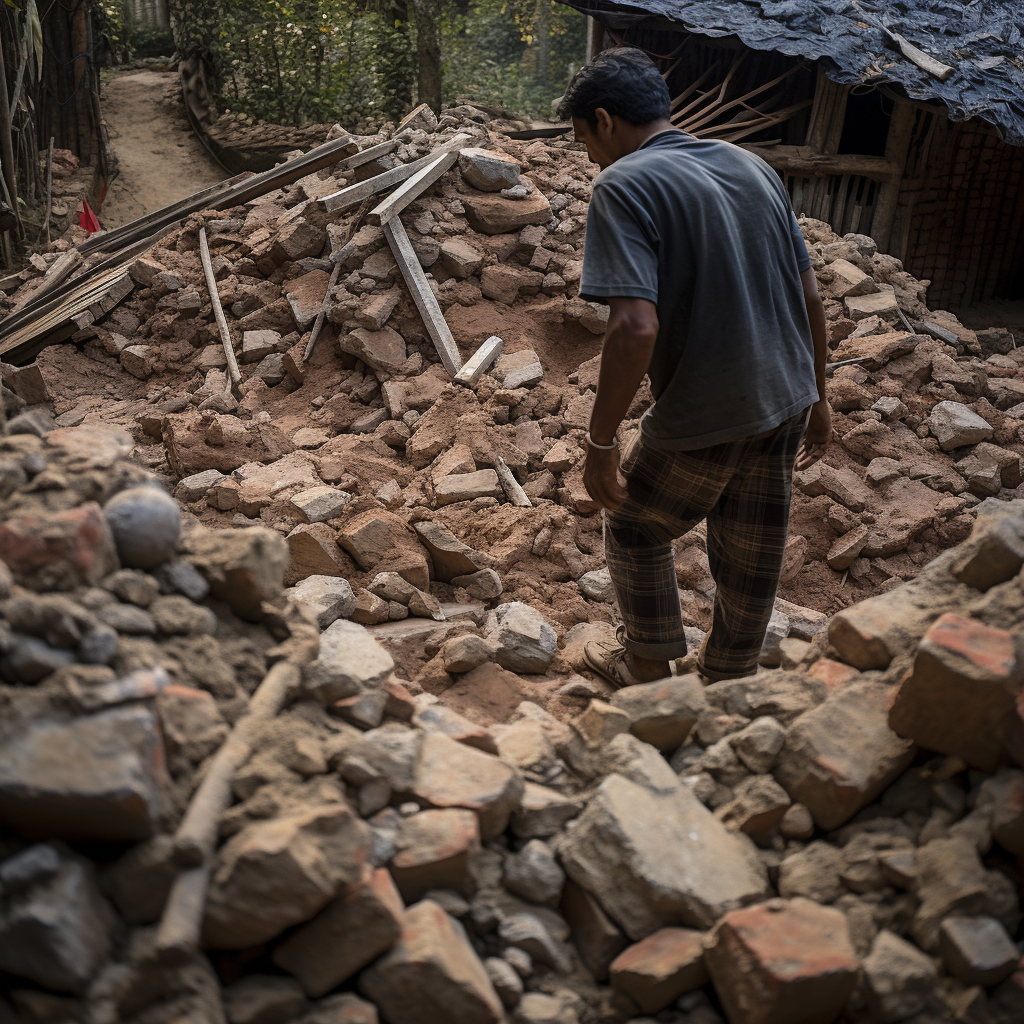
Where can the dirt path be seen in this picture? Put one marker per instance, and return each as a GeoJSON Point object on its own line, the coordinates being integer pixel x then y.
{"type": "Point", "coordinates": [159, 157]}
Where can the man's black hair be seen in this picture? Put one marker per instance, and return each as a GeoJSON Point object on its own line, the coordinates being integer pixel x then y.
{"type": "Point", "coordinates": [624, 81]}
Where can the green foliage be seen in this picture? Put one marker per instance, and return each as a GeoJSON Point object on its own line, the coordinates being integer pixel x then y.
{"type": "Point", "coordinates": [298, 61]}
{"type": "Point", "coordinates": [116, 22]}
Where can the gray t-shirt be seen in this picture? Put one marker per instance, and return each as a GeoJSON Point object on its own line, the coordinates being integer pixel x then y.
{"type": "Point", "coordinates": [706, 230]}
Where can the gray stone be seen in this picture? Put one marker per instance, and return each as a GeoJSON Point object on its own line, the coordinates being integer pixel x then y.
{"type": "Point", "coordinates": [758, 744]}
{"type": "Point", "coordinates": [687, 870]}
{"type": "Point", "coordinates": [533, 874]}
{"type": "Point", "coordinates": [194, 487]}
{"type": "Point", "coordinates": [597, 585]}
{"type": "Point", "coordinates": [489, 172]}
{"type": "Point", "coordinates": [519, 369]}
{"type": "Point", "coordinates": [662, 713]}
{"type": "Point", "coordinates": [450, 556]}
{"type": "Point", "coordinates": [100, 776]}
{"type": "Point", "coordinates": [543, 812]}
{"type": "Point", "coordinates": [185, 578]}
{"type": "Point", "coordinates": [263, 999]}
{"type": "Point", "coordinates": [350, 661]}
{"type": "Point", "coordinates": [328, 597]}
{"type": "Point", "coordinates": [257, 345]}
{"type": "Point", "coordinates": [633, 759]}
{"type": "Point", "coordinates": [528, 933]}
{"type": "Point", "coordinates": [977, 950]}
{"type": "Point", "coordinates": [145, 523]}
{"type": "Point", "coordinates": [465, 653]}
{"type": "Point", "coordinates": [319, 504]}
{"type": "Point", "coordinates": [466, 486]}
{"type": "Point", "coordinates": [57, 931]}
{"type": "Point", "coordinates": [30, 659]}
{"type": "Point", "coordinates": [175, 615]}
{"type": "Point", "coordinates": [526, 642]}
{"type": "Point", "coordinates": [128, 619]}
{"type": "Point", "coordinates": [506, 982]}
{"type": "Point", "coordinates": [813, 872]}
{"type": "Point", "coordinates": [899, 979]}
{"type": "Point", "coordinates": [954, 425]}
{"type": "Point", "coordinates": [484, 585]}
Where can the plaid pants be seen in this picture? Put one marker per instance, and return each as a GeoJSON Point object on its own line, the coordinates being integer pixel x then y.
{"type": "Point", "coordinates": [743, 489]}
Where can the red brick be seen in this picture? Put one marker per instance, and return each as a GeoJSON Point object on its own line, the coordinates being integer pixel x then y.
{"type": "Point", "coordinates": [961, 692]}
{"type": "Point", "coordinates": [834, 674]}
{"type": "Point", "coordinates": [433, 851]}
{"type": "Point", "coordinates": [783, 962]}
{"type": "Point", "coordinates": [659, 969]}
{"type": "Point", "coordinates": [58, 550]}
{"type": "Point", "coordinates": [345, 936]}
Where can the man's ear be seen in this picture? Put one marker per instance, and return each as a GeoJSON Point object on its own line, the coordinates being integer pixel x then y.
{"type": "Point", "coordinates": [604, 124]}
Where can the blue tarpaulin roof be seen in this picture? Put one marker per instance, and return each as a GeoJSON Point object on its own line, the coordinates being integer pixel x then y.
{"type": "Point", "coordinates": [979, 39]}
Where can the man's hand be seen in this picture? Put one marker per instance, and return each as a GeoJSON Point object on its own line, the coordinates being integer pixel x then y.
{"type": "Point", "coordinates": [816, 437]}
{"type": "Point", "coordinates": [601, 478]}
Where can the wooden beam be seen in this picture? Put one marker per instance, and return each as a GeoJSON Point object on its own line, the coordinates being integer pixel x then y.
{"type": "Point", "coordinates": [353, 194]}
{"type": "Point", "coordinates": [412, 189]}
{"type": "Point", "coordinates": [423, 296]}
{"type": "Point", "coordinates": [897, 146]}
{"type": "Point", "coordinates": [803, 161]}
{"type": "Point", "coordinates": [478, 362]}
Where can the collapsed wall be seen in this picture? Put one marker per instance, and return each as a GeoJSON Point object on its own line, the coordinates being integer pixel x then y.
{"type": "Point", "coordinates": [446, 820]}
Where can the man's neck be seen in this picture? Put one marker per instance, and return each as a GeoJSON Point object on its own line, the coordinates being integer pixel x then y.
{"type": "Point", "coordinates": [645, 132]}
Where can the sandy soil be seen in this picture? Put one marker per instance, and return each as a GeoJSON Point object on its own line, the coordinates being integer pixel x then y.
{"type": "Point", "coordinates": [160, 159]}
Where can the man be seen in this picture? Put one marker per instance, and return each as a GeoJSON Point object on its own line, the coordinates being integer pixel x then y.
{"type": "Point", "coordinates": [694, 246]}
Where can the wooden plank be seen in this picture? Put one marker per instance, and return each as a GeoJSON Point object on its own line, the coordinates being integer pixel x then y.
{"type": "Point", "coordinates": [353, 194]}
{"type": "Point", "coordinates": [423, 296]}
{"type": "Point", "coordinates": [474, 367]}
{"type": "Point", "coordinates": [234, 376]}
{"type": "Point", "coordinates": [515, 494]}
{"type": "Point", "coordinates": [233, 192]}
{"type": "Point", "coordinates": [804, 160]}
{"type": "Point", "coordinates": [59, 271]}
{"type": "Point", "coordinates": [412, 189]}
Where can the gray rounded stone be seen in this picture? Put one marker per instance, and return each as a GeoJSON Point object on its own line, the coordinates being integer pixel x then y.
{"type": "Point", "coordinates": [146, 524]}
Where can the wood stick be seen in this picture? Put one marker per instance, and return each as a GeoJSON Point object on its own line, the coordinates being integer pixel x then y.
{"type": "Point", "coordinates": [413, 188]}
{"type": "Point", "coordinates": [314, 335]}
{"type": "Point", "coordinates": [353, 194]}
{"type": "Point", "coordinates": [49, 191]}
{"type": "Point", "coordinates": [423, 296]}
{"type": "Point", "coordinates": [196, 837]}
{"type": "Point", "coordinates": [515, 494]}
{"type": "Point", "coordinates": [234, 376]}
{"type": "Point", "coordinates": [472, 370]}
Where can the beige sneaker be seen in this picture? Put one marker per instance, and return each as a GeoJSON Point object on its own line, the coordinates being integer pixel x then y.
{"type": "Point", "coordinates": [608, 660]}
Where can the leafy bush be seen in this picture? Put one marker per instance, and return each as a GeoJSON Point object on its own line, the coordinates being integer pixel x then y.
{"type": "Point", "coordinates": [298, 61]}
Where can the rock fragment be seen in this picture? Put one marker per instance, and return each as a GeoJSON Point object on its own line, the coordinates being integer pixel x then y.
{"type": "Point", "coordinates": [783, 962]}
{"type": "Point", "coordinates": [432, 976]}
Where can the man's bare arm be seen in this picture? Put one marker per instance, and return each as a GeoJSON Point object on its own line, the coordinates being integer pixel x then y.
{"type": "Point", "coordinates": [819, 426]}
{"type": "Point", "coordinates": [628, 347]}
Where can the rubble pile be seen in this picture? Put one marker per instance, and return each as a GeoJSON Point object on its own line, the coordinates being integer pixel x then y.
{"type": "Point", "coordinates": [370, 433]}
{"type": "Point", "coordinates": [839, 840]}
{"type": "Point", "coordinates": [447, 821]}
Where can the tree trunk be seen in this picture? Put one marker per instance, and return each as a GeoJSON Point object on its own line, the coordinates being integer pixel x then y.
{"type": "Point", "coordinates": [542, 40]}
{"type": "Point", "coordinates": [428, 49]}
{"type": "Point", "coordinates": [397, 61]}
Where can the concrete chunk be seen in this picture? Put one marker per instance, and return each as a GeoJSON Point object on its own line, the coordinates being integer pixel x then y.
{"type": "Point", "coordinates": [654, 860]}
